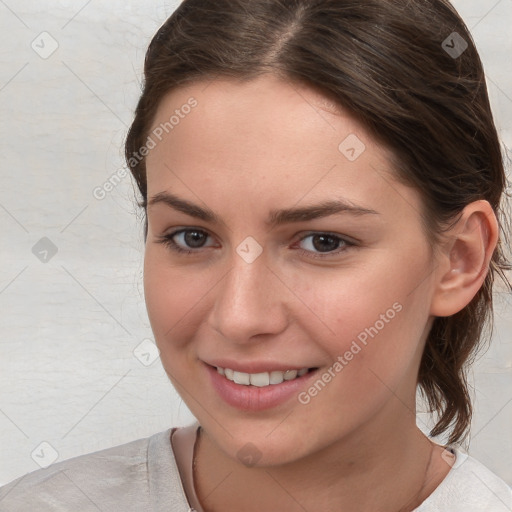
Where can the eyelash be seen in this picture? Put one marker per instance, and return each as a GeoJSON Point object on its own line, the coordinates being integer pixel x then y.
{"type": "Point", "coordinates": [168, 241]}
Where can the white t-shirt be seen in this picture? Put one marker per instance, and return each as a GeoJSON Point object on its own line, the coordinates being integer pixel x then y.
{"type": "Point", "coordinates": [142, 476]}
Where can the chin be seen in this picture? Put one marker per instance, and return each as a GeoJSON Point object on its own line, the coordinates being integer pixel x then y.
{"type": "Point", "coordinates": [258, 444]}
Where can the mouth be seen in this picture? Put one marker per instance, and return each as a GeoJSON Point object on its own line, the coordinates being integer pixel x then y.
{"type": "Point", "coordinates": [257, 390]}
{"type": "Point", "coordinates": [262, 379]}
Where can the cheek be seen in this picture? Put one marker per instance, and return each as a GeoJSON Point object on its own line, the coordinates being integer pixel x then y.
{"type": "Point", "coordinates": [356, 303]}
{"type": "Point", "coordinates": [375, 322]}
{"type": "Point", "coordinates": [171, 295]}
{"type": "Point", "coordinates": [371, 365]}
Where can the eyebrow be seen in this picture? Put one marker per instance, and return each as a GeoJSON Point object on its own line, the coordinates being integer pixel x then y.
{"type": "Point", "coordinates": [276, 217]}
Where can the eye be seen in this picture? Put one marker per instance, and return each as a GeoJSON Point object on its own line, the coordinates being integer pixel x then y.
{"type": "Point", "coordinates": [189, 237]}
{"type": "Point", "coordinates": [191, 241]}
{"type": "Point", "coordinates": [326, 243]}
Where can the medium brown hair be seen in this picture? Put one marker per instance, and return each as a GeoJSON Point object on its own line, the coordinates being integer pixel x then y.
{"type": "Point", "coordinates": [387, 62]}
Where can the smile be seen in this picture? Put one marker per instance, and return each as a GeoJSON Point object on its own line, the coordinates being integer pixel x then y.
{"type": "Point", "coordinates": [261, 379]}
{"type": "Point", "coordinates": [260, 390]}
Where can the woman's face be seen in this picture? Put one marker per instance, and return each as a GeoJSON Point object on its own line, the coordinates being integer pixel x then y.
{"type": "Point", "coordinates": [305, 254]}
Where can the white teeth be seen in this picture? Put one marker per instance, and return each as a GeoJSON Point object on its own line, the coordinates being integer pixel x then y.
{"type": "Point", "coordinates": [263, 379]}
{"type": "Point", "coordinates": [276, 377]}
{"type": "Point", "coordinates": [260, 379]}
{"type": "Point", "coordinates": [290, 374]}
{"type": "Point", "coordinates": [242, 378]}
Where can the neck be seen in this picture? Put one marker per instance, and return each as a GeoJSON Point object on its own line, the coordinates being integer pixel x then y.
{"type": "Point", "coordinates": [380, 467]}
{"type": "Point", "coordinates": [384, 469]}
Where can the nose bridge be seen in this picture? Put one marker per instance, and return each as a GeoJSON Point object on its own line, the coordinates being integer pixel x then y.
{"type": "Point", "coordinates": [247, 284]}
{"type": "Point", "coordinates": [247, 301]}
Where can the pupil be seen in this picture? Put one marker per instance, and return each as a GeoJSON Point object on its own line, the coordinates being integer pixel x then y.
{"type": "Point", "coordinates": [319, 247]}
{"type": "Point", "coordinates": [192, 237]}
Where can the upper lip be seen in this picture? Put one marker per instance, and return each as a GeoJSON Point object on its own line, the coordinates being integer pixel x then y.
{"type": "Point", "coordinates": [255, 366]}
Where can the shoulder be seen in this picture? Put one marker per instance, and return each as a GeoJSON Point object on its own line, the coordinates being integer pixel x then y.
{"type": "Point", "coordinates": [126, 477]}
{"type": "Point", "coordinates": [469, 487]}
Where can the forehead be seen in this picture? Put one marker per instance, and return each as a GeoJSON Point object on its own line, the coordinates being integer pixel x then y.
{"type": "Point", "coordinates": [263, 117]}
{"type": "Point", "coordinates": [274, 138]}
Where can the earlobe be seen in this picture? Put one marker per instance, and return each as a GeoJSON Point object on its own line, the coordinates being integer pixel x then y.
{"type": "Point", "coordinates": [464, 264]}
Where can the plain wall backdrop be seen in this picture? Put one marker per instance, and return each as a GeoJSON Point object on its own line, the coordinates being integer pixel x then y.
{"type": "Point", "coordinates": [78, 368]}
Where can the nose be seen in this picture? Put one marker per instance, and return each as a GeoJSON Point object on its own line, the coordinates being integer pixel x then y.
{"type": "Point", "coordinates": [250, 300]}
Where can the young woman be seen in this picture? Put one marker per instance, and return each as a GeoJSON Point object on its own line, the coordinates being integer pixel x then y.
{"type": "Point", "coordinates": [323, 184]}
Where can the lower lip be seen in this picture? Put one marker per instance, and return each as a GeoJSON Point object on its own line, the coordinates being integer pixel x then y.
{"type": "Point", "coordinates": [253, 398]}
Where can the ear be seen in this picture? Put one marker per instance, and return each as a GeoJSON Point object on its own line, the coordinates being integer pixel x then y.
{"type": "Point", "coordinates": [463, 262]}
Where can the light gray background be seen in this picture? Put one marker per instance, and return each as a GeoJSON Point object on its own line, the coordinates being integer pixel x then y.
{"type": "Point", "coordinates": [69, 326]}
